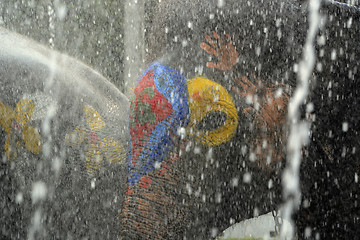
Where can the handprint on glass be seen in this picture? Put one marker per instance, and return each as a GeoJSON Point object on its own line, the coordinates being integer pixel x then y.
{"type": "Point", "coordinates": [223, 49]}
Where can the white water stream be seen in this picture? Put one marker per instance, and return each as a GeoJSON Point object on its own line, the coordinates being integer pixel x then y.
{"type": "Point", "coordinates": [299, 128]}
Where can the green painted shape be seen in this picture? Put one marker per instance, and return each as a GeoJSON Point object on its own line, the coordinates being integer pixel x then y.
{"type": "Point", "coordinates": [142, 114]}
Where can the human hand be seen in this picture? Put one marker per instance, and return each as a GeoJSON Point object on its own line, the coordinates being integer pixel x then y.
{"type": "Point", "coordinates": [267, 110]}
{"type": "Point", "coordinates": [268, 102]}
{"type": "Point", "coordinates": [223, 49]}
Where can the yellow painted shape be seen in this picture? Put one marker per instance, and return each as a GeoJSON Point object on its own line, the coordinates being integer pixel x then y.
{"type": "Point", "coordinates": [93, 158]}
{"type": "Point", "coordinates": [6, 117]}
{"type": "Point", "coordinates": [32, 139]}
{"type": "Point", "coordinates": [24, 111]}
{"type": "Point", "coordinates": [76, 137]}
{"type": "Point", "coordinates": [22, 115]}
{"type": "Point", "coordinates": [112, 150]}
{"type": "Point", "coordinates": [107, 147]}
{"type": "Point", "coordinates": [10, 153]}
{"type": "Point", "coordinates": [93, 118]}
{"type": "Point", "coordinates": [207, 96]}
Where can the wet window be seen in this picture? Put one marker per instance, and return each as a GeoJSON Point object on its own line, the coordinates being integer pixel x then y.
{"type": "Point", "coordinates": [169, 119]}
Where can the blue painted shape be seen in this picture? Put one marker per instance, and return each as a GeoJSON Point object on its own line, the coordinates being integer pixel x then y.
{"type": "Point", "coordinates": [172, 85]}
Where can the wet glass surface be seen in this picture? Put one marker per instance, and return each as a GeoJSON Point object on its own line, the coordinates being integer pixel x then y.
{"type": "Point", "coordinates": [178, 119]}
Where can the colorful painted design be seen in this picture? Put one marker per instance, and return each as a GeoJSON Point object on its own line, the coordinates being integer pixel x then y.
{"type": "Point", "coordinates": [161, 105]}
{"type": "Point", "coordinates": [205, 97]}
{"type": "Point", "coordinates": [97, 146]}
{"type": "Point", "coordinates": [16, 125]}
{"type": "Point", "coordinates": [158, 109]}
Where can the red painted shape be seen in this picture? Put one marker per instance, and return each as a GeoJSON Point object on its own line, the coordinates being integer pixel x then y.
{"type": "Point", "coordinates": [140, 133]}
{"type": "Point", "coordinates": [196, 96]}
{"type": "Point", "coordinates": [129, 191]}
{"type": "Point", "coordinates": [94, 137]}
{"type": "Point", "coordinates": [174, 157]}
{"type": "Point", "coordinates": [16, 126]}
{"type": "Point", "coordinates": [164, 169]}
{"type": "Point", "coordinates": [145, 181]}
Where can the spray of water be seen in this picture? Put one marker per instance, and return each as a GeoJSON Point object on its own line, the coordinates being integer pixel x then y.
{"type": "Point", "coordinates": [40, 190]}
{"type": "Point", "coordinates": [51, 14]}
{"type": "Point", "coordinates": [299, 129]}
{"type": "Point", "coordinates": [133, 43]}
